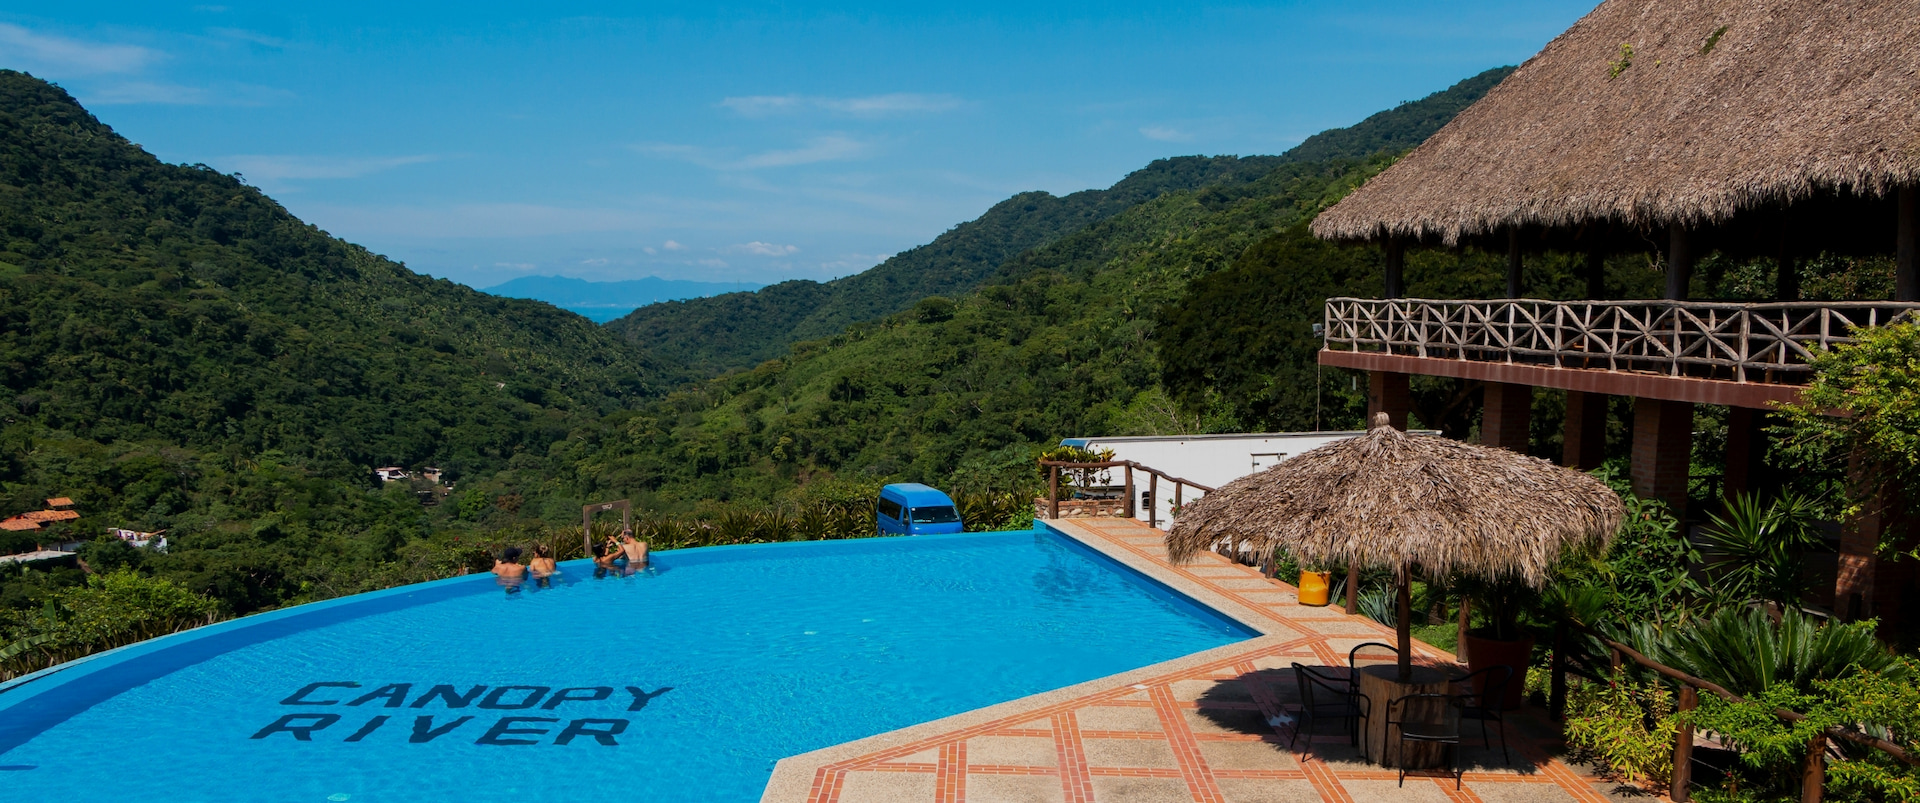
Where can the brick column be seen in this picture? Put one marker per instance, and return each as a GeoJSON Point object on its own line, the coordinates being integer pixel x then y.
{"type": "Point", "coordinates": [1387, 393]}
{"type": "Point", "coordinates": [1585, 441]}
{"type": "Point", "coordinates": [1662, 448]}
{"type": "Point", "coordinates": [1504, 414]}
{"type": "Point", "coordinates": [1867, 586]}
{"type": "Point", "coordinates": [1746, 452]}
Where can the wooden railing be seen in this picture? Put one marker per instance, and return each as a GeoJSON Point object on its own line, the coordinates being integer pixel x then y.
{"type": "Point", "coordinates": [1154, 476]}
{"type": "Point", "coordinates": [1813, 775]}
{"type": "Point", "coordinates": [1767, 343]}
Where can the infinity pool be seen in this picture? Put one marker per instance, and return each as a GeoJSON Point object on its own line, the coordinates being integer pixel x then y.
{"type": "Point", "coordinates": [684, 684]}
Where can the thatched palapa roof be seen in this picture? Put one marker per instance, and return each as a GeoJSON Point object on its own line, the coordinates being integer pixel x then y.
{"type": "Point", "coordinates": [1722, 106]}
{"type": "Point", "coordinates": [1389, 498]}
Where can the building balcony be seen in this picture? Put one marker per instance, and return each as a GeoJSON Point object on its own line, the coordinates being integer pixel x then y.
{"type": "Point", "coordinates": [1747, 355]}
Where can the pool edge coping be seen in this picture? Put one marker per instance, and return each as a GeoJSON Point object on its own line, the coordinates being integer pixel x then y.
{"type": "Point", "coordinates": [793, 776]}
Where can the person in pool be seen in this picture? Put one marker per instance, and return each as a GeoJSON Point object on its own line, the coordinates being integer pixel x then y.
{"type": "Point", "coordinates": [604, 555]}
{"type": "Point", "coordinates": [508, 569]}
{"type": "Point", "coordinates": [542, 565]}
{"type": "Point", "coordinates": [634, 551]}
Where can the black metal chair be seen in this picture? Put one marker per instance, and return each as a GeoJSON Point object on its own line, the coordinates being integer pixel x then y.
{"type": "Point", "coordinates": [1353, 657]}
{"type": "Point", "coordinates": [1486, 704]}
{"type": "Point", "coordinates": [1432, 726]}
{"type": "Point", "coordinates": [1344, 703]}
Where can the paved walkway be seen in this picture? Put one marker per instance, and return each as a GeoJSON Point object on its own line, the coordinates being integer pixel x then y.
{"type": "Point", "coordinates": [1212, 727]}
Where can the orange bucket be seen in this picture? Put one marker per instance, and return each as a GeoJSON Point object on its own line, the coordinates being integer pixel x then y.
{"type": "Point", "coordinates": [1313, 588]}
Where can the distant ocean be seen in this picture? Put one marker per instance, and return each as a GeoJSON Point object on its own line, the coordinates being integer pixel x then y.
{"type": "Point", "coordinates": [601, 302]}
{"type": "Point", "coordinates": [600, 314]}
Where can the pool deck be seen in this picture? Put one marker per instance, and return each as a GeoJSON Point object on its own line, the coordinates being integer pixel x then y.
{"type": "Point", "coordinates": [1192, 729]}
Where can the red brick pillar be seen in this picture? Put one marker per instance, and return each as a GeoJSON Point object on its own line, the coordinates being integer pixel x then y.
{"type": "Point", "coordinates": [1504, 414]}
{"type": "Point", "coordinates": [1746, 452]}
{"type": "Point", "coordinates": [1585, 441]}
{"type": "Point", "coordinates": [1866, 585]}
{"type": "Point", "coordinates": [1387, 393]}
{"type": "Point", "coordinates": [1662, 448]}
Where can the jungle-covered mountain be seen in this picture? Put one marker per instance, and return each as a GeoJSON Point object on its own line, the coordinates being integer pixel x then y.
{"type": "Point", "coordinates": [739, 330]}
{"type": "Point", "coordinates": [182, 354]}
{"type": "Point", "coordinates": [177, 351]}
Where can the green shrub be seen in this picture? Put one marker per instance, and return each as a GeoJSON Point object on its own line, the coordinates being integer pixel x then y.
{"type": "Point", "coordinates": [1628, 727]}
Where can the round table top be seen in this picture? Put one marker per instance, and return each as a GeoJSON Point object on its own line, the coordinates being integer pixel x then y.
{"type": "Point", "coordinates": [1422, 675]}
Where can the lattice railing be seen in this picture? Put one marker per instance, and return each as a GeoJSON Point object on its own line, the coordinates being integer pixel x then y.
{"type": "Point", "coordinates": [1742, 342]}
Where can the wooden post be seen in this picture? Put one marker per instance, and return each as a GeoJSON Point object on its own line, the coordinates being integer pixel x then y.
{"type": "Point", "coordinates": [1053, 493]}
{"type": "Point", "coordinates": [1396, 267]}
{"type": "Point", "coordinates": [1177, 488]}
{"type": "Point", "coordinates": [1513, 263]}
{"type": "Point", "coordinates": [1683, 748]}
{"type": "Point", "coordinates": [1466, 614]}
{"type": "Point", "coordinates": [1614, 660]}
{"type": "Point", "coordinates": [1403, 622]}
{"type": "Point", "coordinates": [1131, 512]}
{"type": "Point", "coordinates": [1813, 781]}
{"type": "Point", "coordinates": [1557, 681]}
{"type": "Point", "coordinates": [1679, 262]}
{"type": "Point", "coordinates": [1353, 589]}
{"type": "Point", "coordinates": [1153, 499]}
{"type": "Point", "coordinates": [1906, 252]}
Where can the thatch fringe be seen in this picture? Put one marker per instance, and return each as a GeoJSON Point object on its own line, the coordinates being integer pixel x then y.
{"type": "Point", "coordinates": [1394, 499]}
{"type": "Point", "coordinates": [1722, 105]}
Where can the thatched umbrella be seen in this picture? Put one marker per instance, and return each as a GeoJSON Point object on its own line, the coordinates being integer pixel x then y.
{"type": "Point", "coordinates": [1389, 498]}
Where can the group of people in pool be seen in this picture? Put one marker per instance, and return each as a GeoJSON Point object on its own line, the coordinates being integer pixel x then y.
{"type": "Point", "coordinates": [623, 554]}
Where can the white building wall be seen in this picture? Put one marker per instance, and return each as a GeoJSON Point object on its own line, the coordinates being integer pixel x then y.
{"type": "Point", "coordinates": [1211, 460]}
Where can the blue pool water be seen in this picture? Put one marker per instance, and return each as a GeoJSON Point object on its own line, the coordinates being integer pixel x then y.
{"type": "Point", "coordinates": [701, 675]}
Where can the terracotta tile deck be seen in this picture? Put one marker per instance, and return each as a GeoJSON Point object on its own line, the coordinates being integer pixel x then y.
{"type": "Point", "coordinates": [1193, 729]}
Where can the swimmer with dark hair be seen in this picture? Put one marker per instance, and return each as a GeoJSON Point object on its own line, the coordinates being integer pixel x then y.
{"type": "Point", "coordinates": [508, 569]}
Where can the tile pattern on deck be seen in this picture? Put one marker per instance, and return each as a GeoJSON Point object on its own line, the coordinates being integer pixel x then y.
{"type": "Point", "coordinates": [1201, 733]}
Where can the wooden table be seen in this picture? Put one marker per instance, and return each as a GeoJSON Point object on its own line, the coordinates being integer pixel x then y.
{"type": "Point", "coordinates": [1380, 684]}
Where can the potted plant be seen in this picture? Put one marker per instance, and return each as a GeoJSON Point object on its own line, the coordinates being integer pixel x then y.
{"type": "Point", "coordinates": [1314, 587]}
{"type": "Point", "coordinates": [1500, 641]}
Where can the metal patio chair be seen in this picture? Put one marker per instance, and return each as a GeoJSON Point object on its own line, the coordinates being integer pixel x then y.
{"type": "Point", "coordinates": [1424, 729]}
{"type": "Point", "coordinates": [1326, 697]}
{"type": "Point", "coordinates": [1485, 705]}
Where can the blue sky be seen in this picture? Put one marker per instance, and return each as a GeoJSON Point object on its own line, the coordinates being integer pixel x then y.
{"type": "Point", "coordinates": [483, 141]}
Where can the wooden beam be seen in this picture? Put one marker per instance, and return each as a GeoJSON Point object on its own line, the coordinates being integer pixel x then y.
{"type": "Point", "coordinates": [1906, 259]}
{"type": "Point", "coordinates": [1612, 383]}
{"type": "Point", "coordinates": [1514, 284]}
{"type": "Point", "coordinates": [1679, 262]}
{"type": "Point", "coordinates": [1396, 267]}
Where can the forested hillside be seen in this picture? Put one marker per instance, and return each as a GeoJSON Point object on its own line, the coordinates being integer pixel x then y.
{"type": "Point", "coordinates": [177, 352]}
{"type": "Point", "coordinates": [739, 330]}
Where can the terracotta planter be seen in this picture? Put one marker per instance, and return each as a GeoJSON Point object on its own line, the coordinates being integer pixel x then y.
{"type": "Point", "coordinates": [1483, 652]}
{"type": "Point", "coordinates": [1314, 587]}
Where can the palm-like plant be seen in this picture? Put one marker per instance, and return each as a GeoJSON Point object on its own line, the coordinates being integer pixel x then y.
{"type": "Point", "coordinates": [1755, 549]}
{"type": "Point", "coordinates": [1745, 651]}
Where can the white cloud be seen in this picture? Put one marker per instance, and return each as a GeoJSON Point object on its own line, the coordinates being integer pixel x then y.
{"type": "Point", "coordinates": [284, 168]}
{"type": "Point", "coordinates": [516, 265]}
{"type": "Point", "coordinates": [244, 35]}
{"type": "Point", "coordinates": [648, 249]}
{"type": "Point", "coordinates": [150, 92]}
{"type": "Point", "coordinates": [831, 148]}
{"type": "Point", "coordinates": [673, 246]}
{"type": "Point", "coordinates": [131, 92]}
{"type": "Point", "coordinates": [867, 106]}
{"type": "Point", "coordinates": [20, 47]}
{"type": "Point", "coordinates": [599, 260]}
{"type": "Point", "coordinates": [758, 248]}
{"type": "Point", "coordinates": [821, 149]}
{"type": "Point", "coordinates": [714, 263]}
{"type": "Point", "coordinates": [1165, 134]}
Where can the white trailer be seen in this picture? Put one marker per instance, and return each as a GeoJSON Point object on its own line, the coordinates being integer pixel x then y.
{"type": "Point", "coordinates": [1211, 460]}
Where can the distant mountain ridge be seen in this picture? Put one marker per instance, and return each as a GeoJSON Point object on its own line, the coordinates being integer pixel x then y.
{"type": "Point", "coordinates": [720, 333]}
{"type": "Point", "coordinates": [566, 291]}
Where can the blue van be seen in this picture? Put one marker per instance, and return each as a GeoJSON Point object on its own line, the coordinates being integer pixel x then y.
{"type": "Point", "coordinates": [909, 508]}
